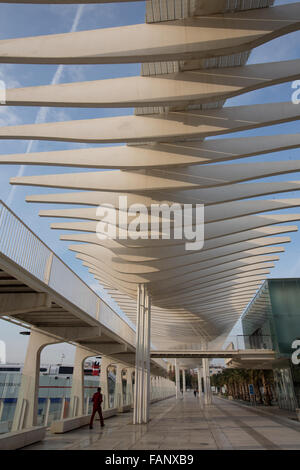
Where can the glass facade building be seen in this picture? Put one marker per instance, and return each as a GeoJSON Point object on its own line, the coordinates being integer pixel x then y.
{"type": "Point", "coordinates": [274, 313]}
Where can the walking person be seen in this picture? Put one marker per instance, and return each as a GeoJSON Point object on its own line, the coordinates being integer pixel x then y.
{"type": "Point", "coordinates": [97, 407]}
{"type": "Point", "coordinates": [195, 393]}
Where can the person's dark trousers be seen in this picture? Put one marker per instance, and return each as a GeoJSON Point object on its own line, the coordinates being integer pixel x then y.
{"type": "Point", "coordinates": [95, 410]}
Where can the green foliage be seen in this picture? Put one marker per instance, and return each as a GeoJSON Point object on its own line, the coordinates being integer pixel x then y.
{"type": "Point", "coordinates": [236, 381]}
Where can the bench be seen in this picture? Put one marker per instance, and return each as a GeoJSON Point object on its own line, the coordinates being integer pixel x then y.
{"type": "Point", "coordinates": [18, 439]}
{"type": "Point", "coordinates": [68, 424]}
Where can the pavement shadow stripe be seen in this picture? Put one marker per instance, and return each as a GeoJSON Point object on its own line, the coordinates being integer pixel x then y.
{"type": "Point", "coordinates": [257, 436]}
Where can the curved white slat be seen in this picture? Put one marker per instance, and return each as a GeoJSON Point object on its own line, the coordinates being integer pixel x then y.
{"type": "Point", "coordinates": [186, 178]}
{"type": "Point", "coordinates": [183, 88]}
{"type": "Point", "coordinates": [163, 127]}
{"type": "Point", "coordinates": [159, 155]}
{"type": "Point", "coordinates": [188, 39]}
{"type": "Point", "coordinates": [212, 213]}
{"type": "Point", "coordinates": [207, 196]}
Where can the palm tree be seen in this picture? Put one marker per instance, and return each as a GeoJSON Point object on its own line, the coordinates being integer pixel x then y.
{"type": "Point", "coordinates": [236, 382]}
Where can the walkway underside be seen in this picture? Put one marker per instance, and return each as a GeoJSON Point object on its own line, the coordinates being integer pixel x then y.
{"type": "Point", "coordinates": [262, 354]}
{"type": "Point", "coordinates": [184, 424]}
{"type": "Point", "coordinates": [33, 295]}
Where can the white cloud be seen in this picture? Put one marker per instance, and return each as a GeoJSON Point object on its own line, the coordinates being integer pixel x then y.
{"type": "Point", "coordinates": [75, 74]}
{"type": "Point", "coordinates": [8, 117]}
{"type": "Point", "coordinates": [8, 75]}
{"type": "Point", "coordinates": [56, 114]}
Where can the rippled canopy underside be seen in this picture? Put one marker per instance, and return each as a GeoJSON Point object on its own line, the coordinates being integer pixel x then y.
{"type": "Point", "coordinates": [193, 56]}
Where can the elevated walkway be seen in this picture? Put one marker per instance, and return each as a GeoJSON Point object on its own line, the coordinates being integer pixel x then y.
{"type": "Point", "coordinates": [218, 354]}
{"type": "Point", "coordinates": [37, 289]}
{"type": "Point", "coordinates": [240, 358]}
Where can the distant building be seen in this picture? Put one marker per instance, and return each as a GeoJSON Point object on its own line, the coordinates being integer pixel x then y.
{"type": "Point", "coordinates": [216, 370]}
{"type": "Point", "coordinates": [272, 321]}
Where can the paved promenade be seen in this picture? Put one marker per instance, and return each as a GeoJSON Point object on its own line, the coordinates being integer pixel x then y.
{"type": "Point", "coordinates": [184, 424]}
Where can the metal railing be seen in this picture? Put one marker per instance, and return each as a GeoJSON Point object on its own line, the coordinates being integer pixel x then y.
{"type": "Point", "coordinates": [251, 341]}
{"type": "Point", "coordinates": [27, 250]}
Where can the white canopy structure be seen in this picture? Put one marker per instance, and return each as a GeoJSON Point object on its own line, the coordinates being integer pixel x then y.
{"type": "Point", "coordinates": [193, 57]}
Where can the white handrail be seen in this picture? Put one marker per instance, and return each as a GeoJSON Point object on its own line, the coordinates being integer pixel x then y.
{"type": "Point", "coordinates": [19, 243]}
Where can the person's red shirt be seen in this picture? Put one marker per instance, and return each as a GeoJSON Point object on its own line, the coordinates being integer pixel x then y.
{"type": "Point", "coordinates": [97, 399]}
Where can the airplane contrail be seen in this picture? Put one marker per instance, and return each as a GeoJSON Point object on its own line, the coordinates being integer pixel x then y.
{"type": "Point", "coordinates": [43, 111]}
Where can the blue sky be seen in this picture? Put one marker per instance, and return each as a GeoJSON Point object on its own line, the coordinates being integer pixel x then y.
{"type": "Point", "coordinates": [31, 20]}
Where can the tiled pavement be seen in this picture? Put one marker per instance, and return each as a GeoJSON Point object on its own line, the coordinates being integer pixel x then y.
{"type": "Point", "coordinates": [184, 424]}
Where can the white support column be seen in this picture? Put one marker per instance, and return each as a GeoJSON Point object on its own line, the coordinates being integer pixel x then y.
{"type": "Point", "coordinates": [199, 373]}
{"type": "Point", "coordinates": [177, 379]}
{"type": "Point", "coordinates": [105, 362]}
{"type": "Point", "coordinates": [142, 371]}
{"type": "Point", "coordinates": [47, 412]}
{"type": "Point", "coordinates": [183, 381]}
{"type": "Point", "coordinates": [130, 391]}
{"type": "Point", "coordinates": [155, 384]}
{"type": "Point", "coordinates": [151, 386]}
{"type": "Point", "coordinates": [1, 408]}
{"type": "Point", "coordinates": [62, 411]}
{"type": "Point", "coordinates": [147, 347]}
{"type": "Point", "coordinates": [206, 380]}
{"type": "Point", "coordinates": [87, 404]}
{"type": "Point", "coordinates": [159, 386]}
{"type": "Point", "coordinates": [156, 389]}
{"type": "Point", "coordinates": [119, 402]}
{"type": "Point", "coordinates": [27, 404]}
{"type": "Point", "coordinates": [138, 359]}
{"type": "Point", "coordinates": [77, 403]}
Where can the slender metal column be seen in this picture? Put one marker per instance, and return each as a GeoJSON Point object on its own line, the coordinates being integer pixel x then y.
{"type": "Point", "coordinates": [147, 344]}
{"type": "Point", "coordinates": [200, 384]}
{"type": "Point", "coordinates": [137, 359]}
{"type": "Point", "coordinates": [157, 384]}
{"type": "Point", "coordinates": [143, 339]}
{"type": "Point", "coordinates": [183, 381]}
{"type": "Point", "coordinates": [206, 379]}
{"type": "Point", "coordinates": [1, 408]}
{"type": "Point", "coordinates": [103, 383]}
{"type": "Point", "coordinates": [177, 379]}
{"type": "Point", "coordinates": [47, 412]}
{"type": "Point", "coordinates": [130, 391]}
{"type": "Point", "coordinates": [119, 402]}
{"type": "Point", "coordinates": [142, 352]}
